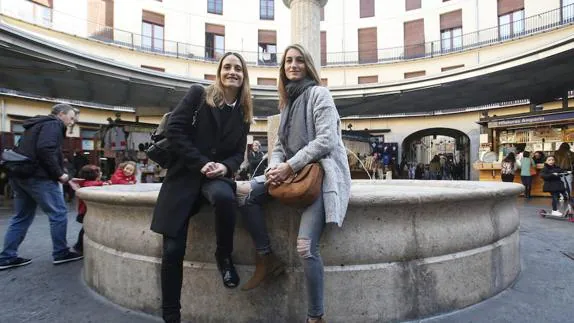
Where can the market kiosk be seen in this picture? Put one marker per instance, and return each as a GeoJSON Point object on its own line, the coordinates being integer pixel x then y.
{"type": "Point", "coordinates": [543, 132]}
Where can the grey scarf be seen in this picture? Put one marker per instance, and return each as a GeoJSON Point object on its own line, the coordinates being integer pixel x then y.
{"type": "Point", "coordinates": [293, 128]}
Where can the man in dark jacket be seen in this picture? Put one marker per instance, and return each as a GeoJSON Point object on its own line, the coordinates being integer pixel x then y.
{"type": "Point", "coordinates": [42, 142]}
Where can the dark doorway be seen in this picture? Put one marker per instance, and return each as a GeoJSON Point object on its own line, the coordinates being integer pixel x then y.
{"type": "Point", "coordinates": [422, 148]}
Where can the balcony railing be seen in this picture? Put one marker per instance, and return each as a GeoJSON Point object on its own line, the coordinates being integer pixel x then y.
{"type": "Point", "coordinates": [63, 22]}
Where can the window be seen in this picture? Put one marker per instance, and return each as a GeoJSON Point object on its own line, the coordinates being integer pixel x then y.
{"type": "Point", "coordinates": [409, 75]}
{"type": "Point", "coordinates": [412, 4]}
{"type": "Point", "coordinates": [214, 41]}
{"type": "Point", "coordinates": [451, 30]}
{"type": "Point", "coordinates": [267, 47]}
{"type": "Point", "coordinates": [368, 45]}
{"type": "Point", "coordinates": [215, 6]}
{"type": "Point", "coordinates": [510, 18]}
{"type": "Point", "coordinates": [323, 48]}
{"type": "Point", "coordinates": [511, 24]}
{"type": "Point", "coordinates": [266, 9]}
{"type": "Point", "coordinates": [209, 77]}
{"type": "Point", "coordinates": [368, 79]}
{"type": "Point", "coordinates": [367, 8]}
{"type": "Point", "coordinates": [451, 39]}
{"type": "Point", "coordinates": [266, 81]}
{"type": "Point", "coordinates": [36, 11]}
{"type": "Point", "coordinates": [152, 31]}
{"type": "Point", "coordinates": [322, 13]}
{"type": "Point", "coordinates": [567, 10]}
{"type": "Point", "coordinates": [153, 68]}
{"type": "Point", "coordinates": [414, 34]}
{"type": "Point", "coordinates": [450, 68]}
{"type": "Point", "coordinates": [101, 17]}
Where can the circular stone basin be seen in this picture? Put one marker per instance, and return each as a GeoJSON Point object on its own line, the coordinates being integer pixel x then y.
{"type": "Point", "coordinates": [407, 249]}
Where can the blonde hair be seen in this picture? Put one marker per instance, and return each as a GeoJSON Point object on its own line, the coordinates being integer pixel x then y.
{"type": "Point", "coordinates": [214, 94]}
{"type": "Point", "coordinates": [124, 164]}
{"type": "Point", "coordinates": [309, 66]}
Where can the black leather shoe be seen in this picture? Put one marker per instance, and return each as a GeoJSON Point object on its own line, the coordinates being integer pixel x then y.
{"type": "Point", "coordinates": [227, 271]}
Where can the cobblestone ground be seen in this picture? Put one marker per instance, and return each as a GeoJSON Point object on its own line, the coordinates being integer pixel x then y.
{"type": "Point", "coordinates": [544, 292]}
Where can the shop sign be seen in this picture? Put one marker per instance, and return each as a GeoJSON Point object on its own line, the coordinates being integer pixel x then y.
{"type": "Point", "coordinates": [531, 120]}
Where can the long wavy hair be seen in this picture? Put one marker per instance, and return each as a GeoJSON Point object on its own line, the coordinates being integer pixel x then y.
{"type": "Point", "coordinates": [214, 94]}
{"type": "Point", "coordinates": [283, 80]}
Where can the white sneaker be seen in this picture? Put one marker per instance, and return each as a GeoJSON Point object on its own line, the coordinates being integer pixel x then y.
{"type": "Point", "coordinates": [556, 213]}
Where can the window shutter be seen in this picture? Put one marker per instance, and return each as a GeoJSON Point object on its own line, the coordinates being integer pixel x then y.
{"type": "Point", "coordinates": [412, 4]}
{"type": "Point", "coordinates": [368, 79]}
{"type": "Point", "coordinates": [153, 18]}
{"type": "Point", "coordinates": [368, 45]}
{"type": "Point", "coordinates": [414, 38]}
{"type": "Point", "coordinates": [507, 6]}
{"type": "Point", "coordinates": [266, 81]}
{"type": "Point", "coordinates": [323, 48]}
{"type": "Point", "coordinates": [449, 68]}
{"type": "Point", "coordinates": [267, 37]}
{"type": "Point", "coordinates": [451, 20]}
{"type": "Point", "coordinates": [367, 8]}
{"type": "Point", "coordinates": [215, 29]}
{"type": "Point", "coordinates": [409, 75]}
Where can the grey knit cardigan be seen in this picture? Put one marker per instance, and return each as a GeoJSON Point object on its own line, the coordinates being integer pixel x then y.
{"type": "Point", "coordinates": [328, 144]}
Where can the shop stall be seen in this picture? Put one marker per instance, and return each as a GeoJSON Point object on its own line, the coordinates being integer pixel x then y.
{"type": "Point", "coordinates": [536, 132]}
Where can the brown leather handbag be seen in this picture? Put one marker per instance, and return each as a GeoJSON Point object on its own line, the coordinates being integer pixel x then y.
{"type": "Point", "coordinates": [301, 189]}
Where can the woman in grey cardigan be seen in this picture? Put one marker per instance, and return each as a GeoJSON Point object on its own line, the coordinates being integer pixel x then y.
{"type": "Point", "coordinates": [309, 131]}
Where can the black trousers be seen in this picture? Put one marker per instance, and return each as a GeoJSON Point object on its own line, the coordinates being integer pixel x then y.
{"type": "Point", "coordinates": [221, 195]}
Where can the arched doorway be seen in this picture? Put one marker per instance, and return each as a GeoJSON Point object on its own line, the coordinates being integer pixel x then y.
{"type": "Point", "coordinates": [450, 145]}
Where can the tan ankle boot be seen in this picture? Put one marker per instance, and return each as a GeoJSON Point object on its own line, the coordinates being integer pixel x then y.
{"type": "Point", "coordinates": [265, 266]}
{"type": "Point", "coordinates": [321, 320]}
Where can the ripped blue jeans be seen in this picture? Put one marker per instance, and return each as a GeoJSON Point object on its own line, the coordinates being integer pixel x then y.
{"type": "Point", "coordinates": [310, 230]}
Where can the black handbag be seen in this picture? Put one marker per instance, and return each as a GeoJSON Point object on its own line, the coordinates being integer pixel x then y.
{"type": "Point", "coordinates": [18, 165]}
{"type": "Point", "coordinates": [160, 150]}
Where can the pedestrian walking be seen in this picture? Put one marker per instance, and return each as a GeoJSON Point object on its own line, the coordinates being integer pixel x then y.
{"type": "Point", "coordinates": [42, 143]}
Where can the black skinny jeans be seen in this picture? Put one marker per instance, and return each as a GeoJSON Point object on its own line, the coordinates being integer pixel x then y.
{"type": "Point", "coordinates": [221, 195]}
{"type": "Point", "coordinates": [527, 182]}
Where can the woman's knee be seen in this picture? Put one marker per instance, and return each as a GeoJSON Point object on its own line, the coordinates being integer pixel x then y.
{"type": "Point", "coordinates": [173, 252]}
{"type": "Point", "coordinates": [305, 248]}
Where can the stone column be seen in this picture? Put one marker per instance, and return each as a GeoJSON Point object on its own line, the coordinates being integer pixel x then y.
{"type": "Point", "coordinates": [305, 19]}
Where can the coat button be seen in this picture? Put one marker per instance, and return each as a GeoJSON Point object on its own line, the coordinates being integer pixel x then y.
{"type": "Point", "coordinates": [214, 151]}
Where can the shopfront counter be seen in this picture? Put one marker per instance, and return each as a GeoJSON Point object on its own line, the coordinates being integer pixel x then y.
{"type": "Point", "coordinates": [491, 172]}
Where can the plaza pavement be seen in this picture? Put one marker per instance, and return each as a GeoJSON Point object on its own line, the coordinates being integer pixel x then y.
{"type": "Point", "coordinates": [544, 291]}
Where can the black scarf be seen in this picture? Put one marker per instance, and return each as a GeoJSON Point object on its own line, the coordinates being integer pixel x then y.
{"type": "Point", "coordinates": [296, 88]}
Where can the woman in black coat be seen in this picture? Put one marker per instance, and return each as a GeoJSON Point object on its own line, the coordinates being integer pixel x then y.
{"type": "Point", "coordinates": [552, 182]}
{"type": "Point", "coordinates": [208, 133]}
{"type": "Point", "coordinates": [255, 156]}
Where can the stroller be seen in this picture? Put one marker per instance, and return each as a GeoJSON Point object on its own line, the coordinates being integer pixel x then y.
{"type": "Point", "coordinates": [565, 206]}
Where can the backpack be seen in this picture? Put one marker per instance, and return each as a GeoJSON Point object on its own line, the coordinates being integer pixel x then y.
{"type": "Point", "coordinates": [506, 168]}
{"type": "Point", "coordinates": [160, 149]}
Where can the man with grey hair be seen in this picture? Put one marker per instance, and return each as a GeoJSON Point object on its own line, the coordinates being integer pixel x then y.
{"type": "Point", "coordinates": [42, 144]}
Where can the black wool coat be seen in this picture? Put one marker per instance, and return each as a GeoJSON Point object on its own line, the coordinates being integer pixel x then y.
{"type": "Point", "coordinates": [193, 147]}
{"type": "Point", "coordinates": [552, 183]}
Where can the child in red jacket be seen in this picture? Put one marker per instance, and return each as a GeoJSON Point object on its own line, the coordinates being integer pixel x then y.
{"type": "Point", "coordinates": [124, 174]}
{"type": "Point", "coordinates": [91, 176]}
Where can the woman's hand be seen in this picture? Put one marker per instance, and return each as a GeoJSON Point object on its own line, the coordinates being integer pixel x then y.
{"type": "Point", "coordinates": [278, 174]}
{"type": "Point", "coordinates": [207, 168]}
{"type": "Point", "coordinates": [217, 170]}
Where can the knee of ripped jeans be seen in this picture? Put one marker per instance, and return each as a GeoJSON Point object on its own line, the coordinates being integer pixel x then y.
{"type": "Point", "coordinates": [304, 247]}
